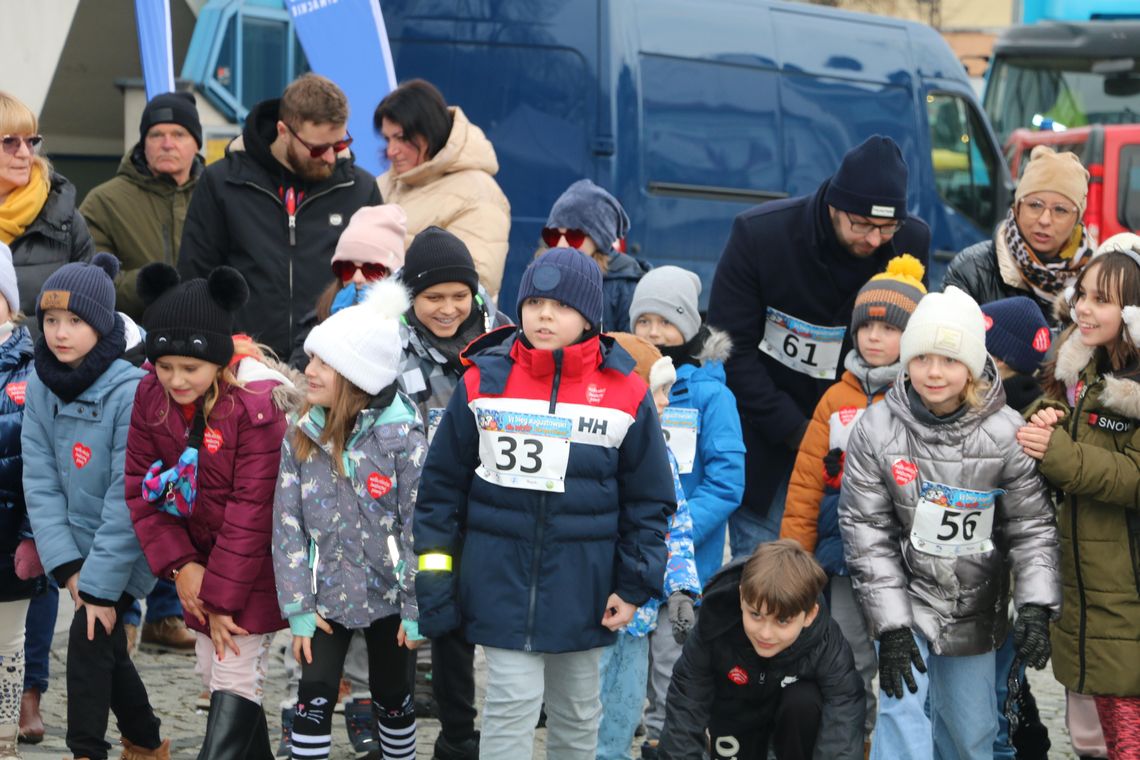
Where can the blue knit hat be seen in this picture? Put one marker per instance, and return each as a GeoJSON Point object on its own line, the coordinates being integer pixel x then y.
{"type": "Point", "coordinates": [1016, 333]}
{"type": "Point", "coordinates": [85, 289]}
{"type": "Point", "coordinates": [871, 181]}
{"type": "Point", "coordinates": [587, 207]}
{"type": "Point", "coordinates": [566, 275]}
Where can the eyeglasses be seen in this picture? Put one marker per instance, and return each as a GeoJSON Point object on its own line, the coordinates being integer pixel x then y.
{"type": "Point", "coordinates": [866, 228]}
{"type": "Point", "coordinates": [346, 270]}
{"type": "Point", "coordinates": [1035, 208]}
{"type": "Point", "coordinates": [12, 143]}
{"type": "Point", "coordinates": [316, 151]}
{"type": "Point", "coordinates": [574, 238]}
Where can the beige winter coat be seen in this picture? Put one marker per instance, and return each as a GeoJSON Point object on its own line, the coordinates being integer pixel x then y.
{"type": "Point", "coordinates": [456, 190]}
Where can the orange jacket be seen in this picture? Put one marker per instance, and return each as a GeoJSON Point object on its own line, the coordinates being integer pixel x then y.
{"type": "Point", "coordinates": [831, 424]}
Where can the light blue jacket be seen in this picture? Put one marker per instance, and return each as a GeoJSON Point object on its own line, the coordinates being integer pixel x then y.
{"type": "Point", "coordinates": [73, 483]}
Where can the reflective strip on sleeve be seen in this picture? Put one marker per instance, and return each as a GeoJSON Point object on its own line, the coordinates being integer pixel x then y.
{"type": "Point", "coordinates": [435, 562]}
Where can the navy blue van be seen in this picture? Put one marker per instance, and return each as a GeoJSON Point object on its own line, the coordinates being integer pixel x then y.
{"type": "Point", "coordinates": [691, 111]}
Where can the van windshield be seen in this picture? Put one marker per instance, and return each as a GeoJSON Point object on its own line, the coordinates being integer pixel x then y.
{"type": "Point", "coordinates": [1059, 93]}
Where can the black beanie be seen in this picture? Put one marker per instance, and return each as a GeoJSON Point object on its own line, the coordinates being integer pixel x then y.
{"type": "Point", "coordinates": [436, 256]}
{"type": "Point", "coordinates": [193, 318]}
{"type": "Point", "coordinates": [172, 108]}
{"type": "Point", "coordinates": [871, 181]}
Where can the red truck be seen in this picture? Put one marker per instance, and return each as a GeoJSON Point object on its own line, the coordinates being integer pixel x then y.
{"type": "Point", "coordinates": [1111, 152]}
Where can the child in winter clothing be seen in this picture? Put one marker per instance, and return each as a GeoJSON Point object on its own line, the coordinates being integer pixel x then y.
{"type": "Point", "coordinates": [202, 460]}
{"type": "Point", "coordinates": [540, 524]}
{"type": "Point", "coordinates": [342, 535]}
{"type": "Point", "coordinates": [937, 507]}
{"type": "Point", "coordinates": [765, 665]}
{"type": "Point", "coordinates": [625, 663]}
{"type": "Point", "coordinates": [78, 406]}
{"type": "Point", "coordinates": [1087, 438]}
{"type": "Point", "coordinates": [21, 574]}
{"type": "Point", "coordinates": [664, 312]}
{"type": "Point", "coordinates": [589, 219]}
{"type": "Point", "coordinates": [811, 513]}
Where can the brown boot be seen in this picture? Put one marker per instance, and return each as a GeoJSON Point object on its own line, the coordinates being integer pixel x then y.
{"type": "Point", "coordinates": [169, 632]}
{"type": "Point", "coordinates": [135, 752]}
{"type": "Point", "coordinates": [132, 634]}
{"type": "Point", "coordinates": [31, 722]}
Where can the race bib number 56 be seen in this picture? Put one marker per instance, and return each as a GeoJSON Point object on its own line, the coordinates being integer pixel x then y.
{"type": "Point", "coordinates": [802, 346]}
{"type": "Point", "coordinates": [521, 450]}
{"type": "Point", "coordinates": [953, 522]}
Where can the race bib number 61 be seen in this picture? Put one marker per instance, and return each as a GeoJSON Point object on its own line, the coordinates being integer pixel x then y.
{"type": "Point", "coordinates": [521, 450]}
{"type": "Point", "coordinates": [811, 349]}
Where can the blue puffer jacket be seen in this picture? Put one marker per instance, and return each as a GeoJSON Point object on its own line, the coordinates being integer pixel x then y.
{"type": "Point", "coordinates": [543, 544]}
{"type": "Point", "coordinates": [716, 485]}
{"type": "Point", "coordinates": [75, 493]}
{"type": "Point", "coordinates": [15, 368]}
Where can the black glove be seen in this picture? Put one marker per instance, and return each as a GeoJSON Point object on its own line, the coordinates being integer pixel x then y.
{"type": "Point", "coordinates": [1031, 635]}
{"type": "Point", "coordinates": [681, 615]}
{"type": "Point", "coordinates": [897, 652]}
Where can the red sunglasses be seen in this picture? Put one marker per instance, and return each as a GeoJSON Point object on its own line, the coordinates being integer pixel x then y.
{"type": "Point", "coordinates": [346, 270]}
{"type": "Point", "coordinates": [574, 238]}
{"type": "Point", "coordinates": [316, 151]}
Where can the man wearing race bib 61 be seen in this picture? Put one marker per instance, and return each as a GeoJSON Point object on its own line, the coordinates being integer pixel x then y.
{"type": "Point", "coordinates": [938, 506]}
{"type": "Point", "coordinates": [784, 291]}
{"type": "Point", "coordinates": [549, 475]}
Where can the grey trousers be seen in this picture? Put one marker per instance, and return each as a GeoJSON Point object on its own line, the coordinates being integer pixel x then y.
{"type": "Point", "coordinates": [846, 611]}
{"type": "Point", "coordinates": [664, 651]}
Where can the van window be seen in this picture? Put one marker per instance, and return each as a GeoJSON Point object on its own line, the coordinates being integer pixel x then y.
{"type": "Point", "coordinates": [1129, 212]}
{"type": "Point", "coordinates": [963, 166]}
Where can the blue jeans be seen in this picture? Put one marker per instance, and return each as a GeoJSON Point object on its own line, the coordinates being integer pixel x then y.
{"type": "Point", "coordinates": [1003, 662]}
{"type": "Point", "coordinates": [624, 667]}
{"type": "Point", "coordinates": [161, 603]}
{"type": "Point", "coordinates": [40, 623]}
{"type": "Point", "coordinates": [747, 529]}
{"type": "Point", "coordinates": [963, 723]}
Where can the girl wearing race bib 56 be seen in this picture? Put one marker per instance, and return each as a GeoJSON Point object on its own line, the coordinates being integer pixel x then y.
{"type": "Point", "coordinates": [938, 506]}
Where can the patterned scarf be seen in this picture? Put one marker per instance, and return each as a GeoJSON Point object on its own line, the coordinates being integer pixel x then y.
{"type": "Point", "coordinates": [23, 205]}
{"type": "Point", "coordinates": [1047, 280]}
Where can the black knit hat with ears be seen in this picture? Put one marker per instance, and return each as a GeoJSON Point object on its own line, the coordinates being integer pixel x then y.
{"type": "Point", "coordinates": [193, 318]}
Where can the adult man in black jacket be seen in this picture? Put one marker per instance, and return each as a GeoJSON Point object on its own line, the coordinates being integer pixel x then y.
{"type": "Point", "coordinates": [275, 206]}
{"type": "Point", "coordinates": [784, 290]}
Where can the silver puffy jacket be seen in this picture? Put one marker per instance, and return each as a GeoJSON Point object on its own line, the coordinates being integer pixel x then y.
{"type": "Point", "coordinates": [958, 603]}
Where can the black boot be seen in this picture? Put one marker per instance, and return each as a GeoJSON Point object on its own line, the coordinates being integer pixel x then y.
{"type": "Point", "coordinates": [235, 729]}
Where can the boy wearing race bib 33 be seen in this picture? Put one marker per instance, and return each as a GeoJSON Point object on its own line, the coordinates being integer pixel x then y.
{"type": "Point", "coordinates": [541, 517]}
{"type": "Point", "coordinates": [938, 506]}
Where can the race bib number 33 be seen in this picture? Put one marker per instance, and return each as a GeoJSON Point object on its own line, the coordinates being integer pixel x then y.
{"type": "Point", "coordinates": [811, 349]}
{"type": "Point", "coordinates": [521, 450]}
{"type": "Point", "coordinates": [953, 522]}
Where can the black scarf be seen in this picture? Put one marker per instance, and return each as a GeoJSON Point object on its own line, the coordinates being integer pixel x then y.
{"type": "Point", "coordinates": [687, 353]}
{"type": "Point", "coordinates": [67, 383]}
{"type": "Point", "coordinates": [450, 348]}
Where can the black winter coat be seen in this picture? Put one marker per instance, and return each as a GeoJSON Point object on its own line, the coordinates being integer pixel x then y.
{"type": "Point", "coordinates": [15, 369]}
{"type": "Point", "coordinates": [975, 270]}
{"type": "Point", "coordinates": [702, 684]}
{"type": "Point", "coordinates": [784, 256]}
{"type": "Point", "coordinates": [237, 217]}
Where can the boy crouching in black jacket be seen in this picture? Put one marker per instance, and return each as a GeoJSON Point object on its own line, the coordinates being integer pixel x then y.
{"type": "Point", "coordinates": [765, 664]}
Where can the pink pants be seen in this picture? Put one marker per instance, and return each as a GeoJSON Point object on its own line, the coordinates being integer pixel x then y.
{"type": "Point", "coordinates": [243, 674]}
{"type": "Point", "coordinates": [1120, 721]}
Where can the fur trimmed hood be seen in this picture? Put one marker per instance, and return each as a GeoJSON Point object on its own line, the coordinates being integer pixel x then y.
{"type": "Point", "coordinates": [717, 347]}
{"type": "Point", "coordinates": [1120, 395]}
{"type": "Point", "coordinates": [288, 393]}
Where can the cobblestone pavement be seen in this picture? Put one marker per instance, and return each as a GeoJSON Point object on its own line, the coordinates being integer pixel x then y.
{"type": "Point", "coordinates": [174, 687]}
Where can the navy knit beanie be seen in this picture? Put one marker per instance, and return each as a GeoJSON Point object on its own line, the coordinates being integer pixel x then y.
{"type": "Point", "coordinates": [566, 275]}
{"type": "Point", "coordinates": [85, 289]}
{"type": "Point", "coordinates": [587, 207]}
{"type": "Point", "coordinates": [871, 181]}
{"type": "Point", "coordinates": [1016, 333]}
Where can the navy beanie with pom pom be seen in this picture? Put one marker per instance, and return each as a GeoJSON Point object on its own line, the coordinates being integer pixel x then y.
{"type": "Point", "coordinates": [193, 318]}
{"type": "Point", "coordinates": [86, 289]}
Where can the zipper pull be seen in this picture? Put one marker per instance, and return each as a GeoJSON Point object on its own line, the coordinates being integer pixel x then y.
{"type": "Point", "coordinates": [291, 210]}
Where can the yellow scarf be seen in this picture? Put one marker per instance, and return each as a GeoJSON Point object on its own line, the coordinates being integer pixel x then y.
{"type": "Point", "coordinates": [23, 205]}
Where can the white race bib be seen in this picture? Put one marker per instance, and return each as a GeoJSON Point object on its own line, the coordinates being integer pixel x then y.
{"type": "Point", "coordinates": [681, 426]}
{"type": "Point", "coordinates": [435, 416]}
{"type": "Point", "coordinates": [811, 349]}
{"type": "Point", "coordinates": [523, 450]}
{"type": "Point", "coordinates": [953, 522]}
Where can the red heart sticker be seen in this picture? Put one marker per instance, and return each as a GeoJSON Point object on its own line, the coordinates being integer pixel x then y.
{"type": "Point", "coordinates": [378, 485]}
{"type": "Point", "coordinates": [904, 471]}
{"type": "Point", "coordinates": [1042, 340]}
{"type": "Point", "coordinates": [81, 455]}
{"type": "Point", "coordinates": [212, 439]}
{"type": "Point", "coordinates": [847, 413]}
{"type": "Point", "coordinates": [16, 391]}
{"type": "Point", "coordinates": [989, 321]}
{"type": "Point", "coordinates": [738, 676]}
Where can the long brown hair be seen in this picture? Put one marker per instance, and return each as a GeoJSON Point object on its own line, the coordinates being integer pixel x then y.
{"type": "Point", "coordinates": [348, 402]}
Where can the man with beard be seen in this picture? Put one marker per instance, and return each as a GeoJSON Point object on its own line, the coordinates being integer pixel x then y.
{"type": "Point", "coordinates": [275, 205]}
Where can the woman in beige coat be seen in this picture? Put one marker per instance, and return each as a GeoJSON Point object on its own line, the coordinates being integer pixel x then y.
{"type": "Point", "coordinates": [442, 174]}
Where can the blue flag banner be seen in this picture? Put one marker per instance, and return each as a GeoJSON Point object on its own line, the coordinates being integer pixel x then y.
{"type": "Point", "coordinates": [153, 20]}
{"type": "Point", "coordinates": [346, 41]}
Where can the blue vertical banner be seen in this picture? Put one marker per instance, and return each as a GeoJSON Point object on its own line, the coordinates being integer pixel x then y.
{"type": "Point", "coordinates": [346, 41]}
{"type": "Point", "coordinates": [153, 20]}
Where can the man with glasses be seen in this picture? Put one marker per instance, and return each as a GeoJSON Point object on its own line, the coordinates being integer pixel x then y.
{"type": "Point", "coordinates": [784, 290]}
{"type": "Point", "coordinates": [275, 206]}
{"type": "Point", "coordinates": [1041, 246]}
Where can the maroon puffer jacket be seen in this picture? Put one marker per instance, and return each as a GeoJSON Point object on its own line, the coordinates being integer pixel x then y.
{"type": "Point", "coordinates": [231, 527]}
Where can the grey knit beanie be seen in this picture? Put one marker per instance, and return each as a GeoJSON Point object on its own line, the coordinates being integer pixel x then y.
{"type": "Point", "coordinates": [672, 293]}
{"type": "Point", "coordinates": [587, 207]}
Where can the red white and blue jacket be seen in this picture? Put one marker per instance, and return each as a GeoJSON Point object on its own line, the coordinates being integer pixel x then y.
{"type": "Point", "coordinates": [547, 488]}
